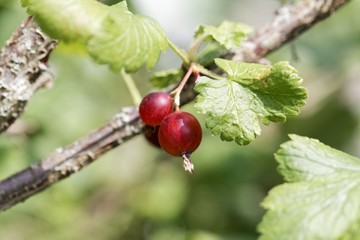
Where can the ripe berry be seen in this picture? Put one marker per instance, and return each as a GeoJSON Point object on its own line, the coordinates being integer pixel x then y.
{"type": "Point", "coordinates": [180, 133]}
{"type": "Point", "coordinates": [155, 107]}
{"type": "Point", "coordinates": [151, 134]}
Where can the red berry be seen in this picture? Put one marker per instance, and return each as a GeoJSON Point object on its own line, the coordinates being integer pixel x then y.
{"type": "Point", "coordinates": [151, 134]}
{"type": "Point", "coordinates": [155, 107]}
{"type": "Point", "coordinates": [180, 133]}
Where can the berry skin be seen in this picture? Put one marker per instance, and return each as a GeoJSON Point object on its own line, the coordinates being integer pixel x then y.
{"type": "Point", "coordinates": [180, 134]}
{"type": "Point", "coordinates": [155, 107]}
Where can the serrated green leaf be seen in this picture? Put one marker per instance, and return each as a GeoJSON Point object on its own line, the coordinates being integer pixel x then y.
{"type": "Point", "coordinates": [165, 78]}
{"type": "Point", "coordinates": [128, 40]}
{"type": "Point", "coordinates": [250, 93]}
{"type": "Point", "coordinates": [112, 34]}
{"type": "Point", "coordinates": [228, 34]}
{"type": "Point", "coordinates": [244, 73]}
{"type": "Point", "coordinates": [227, 105]}
{"type": "Point", "coordinates": [305, 161]}
{"type": "Point", "coordinates": [277, 86]}
{"type": "Point", "coordinates": [323, 203]}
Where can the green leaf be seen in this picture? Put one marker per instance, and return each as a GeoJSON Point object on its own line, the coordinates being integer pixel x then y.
{"type": "Point", "coordinates": [207, 55]}
{"type": "Point", "coordinates": [276, 86]}
{"type": "Point", "coordinates": [165, 78]}
{"type": "Point", "coordinates": [112, 34]}
{"type": "Point", "coordinates": [228, 106]}
{"type": "Point", "coordinates": [322, 200]}
{"type": "Point", "coordinates": [251, 92]}
{"type": "Point", "coordinates": [228, 34]}
{"type": "Point", "coordinates": [128, 40]}
{"type": "Point", "coordinates": [72, 48]}
{"type": "Point", "coordinates": [296, 164]}
{"type": "Point", "coordinates": [68, 20]}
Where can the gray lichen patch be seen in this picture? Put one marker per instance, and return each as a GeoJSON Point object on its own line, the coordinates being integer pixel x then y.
{"type": "Point", "coordinates": [23, 70]}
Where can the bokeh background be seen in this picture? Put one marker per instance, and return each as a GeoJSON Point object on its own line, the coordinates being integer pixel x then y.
{"type": "Point", "coordinates": [138, 192]}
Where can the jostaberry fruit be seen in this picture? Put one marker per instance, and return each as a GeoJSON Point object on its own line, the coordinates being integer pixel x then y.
{"type": "Point", "coordinates": [155, 107]}
{"type": "Point", "coordinates": [180, 134]}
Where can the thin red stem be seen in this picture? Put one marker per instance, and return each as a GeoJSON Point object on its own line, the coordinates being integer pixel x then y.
{"type": "Point", "coordinates": [177, 91]}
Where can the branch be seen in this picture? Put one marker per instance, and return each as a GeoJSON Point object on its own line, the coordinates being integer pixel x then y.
{"type": "Point", "coordinates": [289, 22]}
{"type": "Point", "coordinates": [70, 159]}
{"type": "Point", "coordinates": [23, 70]}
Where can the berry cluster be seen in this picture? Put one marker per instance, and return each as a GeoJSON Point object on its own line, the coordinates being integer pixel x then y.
{"type": "Point", "coordinates": [178, 133]}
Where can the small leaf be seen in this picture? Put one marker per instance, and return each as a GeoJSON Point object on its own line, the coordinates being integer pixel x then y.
{"type": "Point", "coordinates": [250, 93]}
{"type": "Point", "coordinates": [322, 202]}
{"type": "Point", "coordinates": [164, 79]}
{"type": "Point", "coordinates": [128, 40]}
{"type": "Point", "coordinates": [229, 108]}
{"type": "Point", "coordinates": [228, 34]}
{"type": "Point", "coordinates": [277, 86]}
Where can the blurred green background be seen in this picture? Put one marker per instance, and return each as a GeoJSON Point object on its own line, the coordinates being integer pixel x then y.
{"type": "Point", "coordinates": [137, 191]}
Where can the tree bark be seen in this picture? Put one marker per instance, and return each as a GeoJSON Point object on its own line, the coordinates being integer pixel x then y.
{"type": "Point", "coordinates": [23, 70]}
{"type": "Point", "coordinates": [289, 22]}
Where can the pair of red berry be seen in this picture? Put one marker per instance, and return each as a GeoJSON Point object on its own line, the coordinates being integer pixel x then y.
{"type": "Point", "coordinates": [179, 133]}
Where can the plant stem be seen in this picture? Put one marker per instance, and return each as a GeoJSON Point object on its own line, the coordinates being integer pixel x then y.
{"type": "Point", "coordinates": [176, 92]}
{"type": "Point", "coordinates": [134, 91]}
{"type": "Point", "coordinates": [195, 47]}
{"type": "Point", "coordinates": [194, 67]}
{"type": "Point", "coordinates": [179, 52]}
{"type": "Point", "coordinates": [207, 72]}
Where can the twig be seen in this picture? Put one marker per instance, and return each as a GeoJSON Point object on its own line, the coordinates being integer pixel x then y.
{"type": "Point", "coordinates": [23, 70]}
{"type": "Point", "coordinates": [289, 22]}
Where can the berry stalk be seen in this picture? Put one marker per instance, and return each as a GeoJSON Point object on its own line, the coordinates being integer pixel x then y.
{"type": "Point", "coordinates": [179, 52]}
{"type": "Point", "coordinates": [176, 92]}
